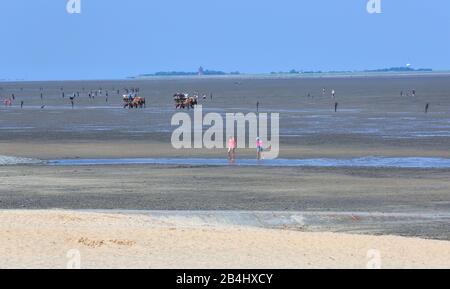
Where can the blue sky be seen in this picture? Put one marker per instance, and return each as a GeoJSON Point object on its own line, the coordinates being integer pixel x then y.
{"type": "Point", "coordinates": [116, 39]}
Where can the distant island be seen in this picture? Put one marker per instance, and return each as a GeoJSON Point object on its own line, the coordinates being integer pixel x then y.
{"type": "Point", "coordinates": [401, 69]}
{"type": "Point", "coordinates": [201, 71]}
{"type": "Point", "coordinates": [206, 72]}
{"type": "Point", "coordinates": [392, 69]}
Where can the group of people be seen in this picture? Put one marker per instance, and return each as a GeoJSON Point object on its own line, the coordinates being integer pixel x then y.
{"type": "Point", "coordinates": [131, 94]}
{"type": "Point", "coordinates": [196, 96]}
{"type": "Point", "coordinates": [8, 102]}
{"type": "Point", "coordinates": [409, 93]}
{"type": "Point", "coordinates": [324, 91]}
{"type": "Point", "coordinates": [92, 94]}
{"type": "Point", "coordinates": [232, 147]}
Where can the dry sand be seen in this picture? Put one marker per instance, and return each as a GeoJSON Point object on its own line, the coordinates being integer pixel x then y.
{"type": "Point", "coordinates": [51, 239]}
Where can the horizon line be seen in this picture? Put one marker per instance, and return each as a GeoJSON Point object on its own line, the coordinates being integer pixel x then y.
{"type": "Point", "coordinates": [267, 75]}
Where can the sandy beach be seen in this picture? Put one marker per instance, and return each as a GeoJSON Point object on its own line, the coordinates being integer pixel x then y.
{"type": "Point", "coordinates": [52, 239]}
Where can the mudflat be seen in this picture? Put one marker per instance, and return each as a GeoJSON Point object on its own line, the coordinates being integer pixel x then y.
{"type": "Point", "coordinates": [373, 117]}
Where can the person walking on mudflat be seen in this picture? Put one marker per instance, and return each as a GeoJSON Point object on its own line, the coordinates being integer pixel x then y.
{"type": "Point", "coordinates": [260, 149]}
{"type": "Point", "coordinates": [232, 144]}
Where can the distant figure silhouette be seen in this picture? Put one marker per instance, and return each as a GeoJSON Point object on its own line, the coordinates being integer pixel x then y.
{"type": "Point", "coordinates": [72, 99]}
{"type": "Point", "coordinates": [336, 106]}
{"type": "Point", "coordinates": [21, 104]}
{"type": "Point", "coordinates": [427, 107]}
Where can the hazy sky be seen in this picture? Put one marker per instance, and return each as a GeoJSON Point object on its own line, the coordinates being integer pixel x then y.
{"type": "Point", "coordinates": [115, 39]}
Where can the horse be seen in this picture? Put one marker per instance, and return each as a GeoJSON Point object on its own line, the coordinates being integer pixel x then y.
{"type": "Point", "coordinates": [183, 101]}
{"type": "Point", "coordinates": [133, 102]}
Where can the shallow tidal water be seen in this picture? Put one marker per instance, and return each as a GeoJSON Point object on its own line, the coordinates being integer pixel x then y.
{"type": "Point", "coordinates": [371, 162]}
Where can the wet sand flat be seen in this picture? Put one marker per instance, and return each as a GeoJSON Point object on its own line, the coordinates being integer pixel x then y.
{"type": "Point", "coordinates": [186, 188]}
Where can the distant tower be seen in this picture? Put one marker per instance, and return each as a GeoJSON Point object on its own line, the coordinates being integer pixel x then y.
{"type": "Point", "coordinates": [201, 71]}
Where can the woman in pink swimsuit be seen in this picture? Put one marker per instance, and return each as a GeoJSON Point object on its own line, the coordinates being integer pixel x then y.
{"type": "Point", "coordinates": [259, 148]}
{"type": "Point", "coordinates": [232, 149]}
